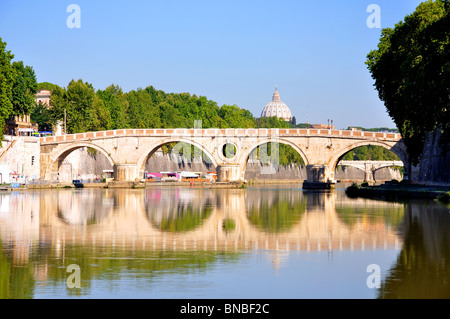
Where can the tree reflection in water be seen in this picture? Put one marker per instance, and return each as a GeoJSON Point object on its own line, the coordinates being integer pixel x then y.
{"type": "Point", "coordinates": [422, 270]}
{"type": "Point", "coordinates": [275, 211]}
{"type": "Point", "coordinates": [86, 207]}
{"type": "Point", "coordinates": [179, 209]}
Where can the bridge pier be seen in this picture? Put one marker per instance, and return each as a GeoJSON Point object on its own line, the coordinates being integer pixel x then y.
{"type": "Point", "coordinates": [318, 176]}
{"type": "Point", "coordinates": [368, 173]}
{"type": "Point", "coordinates": [125, 172]}
{"type": "Point", "coordinates": [229, 173]}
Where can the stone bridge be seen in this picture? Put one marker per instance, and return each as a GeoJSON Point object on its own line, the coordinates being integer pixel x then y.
{"type": "Point", "coordinates": [129, 149]}
{"type": "Point", "coordinates": [369, 167]}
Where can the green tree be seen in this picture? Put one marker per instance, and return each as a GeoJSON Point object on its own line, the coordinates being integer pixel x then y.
{"type": "Point", "coordinates": [272, 122]}
{"type": "Point", "coordinates": [24, 89]}
{"type": "Point", "coordinates": [411, 69]}
{"type": "Point", "coordinates": [46, 86]}
{"type": "Point", "coordinates": [85, 111]}
{"type": "Point", "coordinates": [7, 79]}
{"type": "Point", "coordinates": [142, 111]}
{"type": "Point", "coordinates": [370, 153]}
{"type": "Point", "coordinates": [235, 117]}
{"type": "Point", "coordinates": [58, 104]}
{"type": "Point", "coordinates": [117, 105]}
{"type": "Point", "coordinates": [42, 115]}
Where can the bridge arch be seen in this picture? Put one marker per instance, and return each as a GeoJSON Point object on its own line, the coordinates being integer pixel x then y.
{"type": "Point", "coordinates": [60, 153]}
{"type": "Point", "coordinates": [246, 155]}
{"type": "Point", "coordinates": [150, 150]}
{"type": "Point", "coordinates": [397, 148]}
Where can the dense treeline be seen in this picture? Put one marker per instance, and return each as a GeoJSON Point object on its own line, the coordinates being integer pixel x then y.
{"type": "Point", "coordinates": [370, 153]}
{"type": "Point", "coordinates": [90, 110]}
{"type": "Point", "coordinates": [411, 69]}
{"type": "Point", "coordinates": [18, 87]}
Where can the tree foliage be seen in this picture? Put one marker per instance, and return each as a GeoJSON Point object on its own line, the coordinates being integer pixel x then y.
{"type": "Point", "coordinates": [411, 69]}
{"type": "Point", "coordinates": [42, 115]}
{"type": "Point", "coordinates": [24, 89]}
{"type": "Point", "coordinates": [85, 111]}
{"type": "Point", "coordinates": [370, 153]}
{"type": "Point", "coordinates": [7, 78]}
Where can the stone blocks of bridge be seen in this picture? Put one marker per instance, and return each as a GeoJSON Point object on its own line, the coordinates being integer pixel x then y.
{"type": "Point", "coordinates": [125, 172]}
{"type": "Point", "coordinates": [319, 174]}
{"type": "Point", "coordinates": [229, 173]}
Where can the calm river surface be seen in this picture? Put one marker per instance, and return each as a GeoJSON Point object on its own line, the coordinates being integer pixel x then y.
{"type": "Point", "coordinates": [275, 241]}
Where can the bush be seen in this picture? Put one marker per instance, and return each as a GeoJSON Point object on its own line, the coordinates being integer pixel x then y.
{"type": "Point", "coordinates": [364, 184]}
{"type": "Point", "coordinates": [444, 198]}
{"type": "Point", "coordinates": [394, 182]}
{"type": "Point", "coordinates": [352, 191]}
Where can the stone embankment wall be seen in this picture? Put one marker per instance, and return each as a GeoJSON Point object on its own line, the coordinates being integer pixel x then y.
{"type": "Point", "coordinates": [434, 167]}
{"type": "Point", "coordinates": [19, 159]}
{"type": "Point", "coordinates": [162, 162]}
{"type": "Point", "coordinates": [344, 174]}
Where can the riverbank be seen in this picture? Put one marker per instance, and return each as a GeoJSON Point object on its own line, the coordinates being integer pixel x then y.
{"type": "Point", "coordinates": [399, 191]}
{"type": "Point", "coordinates": [137, 185]}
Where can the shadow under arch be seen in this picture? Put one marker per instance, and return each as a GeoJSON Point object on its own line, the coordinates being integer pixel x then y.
{"type": "Point", "coordinates": [57, 159]}
{"type": "Point", "coordinates": [398, 149]}
{"type": "Point", "coordinates": [254, 147]}
{"type": "Point", "coordinates": [151, 150]}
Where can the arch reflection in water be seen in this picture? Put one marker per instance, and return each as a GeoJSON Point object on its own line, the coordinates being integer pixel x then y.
{"type": "Point", "coordinates": [275, 210]}
{"type": "Point", "coordinates": [178, 209]}
{"type": "Point", "coordinates": [85, 207]}
{"type": "Point", "coordinates": [212, 219]}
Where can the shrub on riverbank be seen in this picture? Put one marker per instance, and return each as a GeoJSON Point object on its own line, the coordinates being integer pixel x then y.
{"type": "Point", "coordinates": [352, 191]}
{"type": "Point", "coordinates": [444, 198]}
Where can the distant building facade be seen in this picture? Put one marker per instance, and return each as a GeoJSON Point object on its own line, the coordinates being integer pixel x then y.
{"type": "Point", "coordinates": [43, 97]}
{"type": "Point", "coordinates": [322, 126]}
{"type": "Point", "coordinates": [20, 125]}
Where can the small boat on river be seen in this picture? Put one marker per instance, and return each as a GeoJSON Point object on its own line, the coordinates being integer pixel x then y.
{"type": "Point", "coordinates": [77, 183]}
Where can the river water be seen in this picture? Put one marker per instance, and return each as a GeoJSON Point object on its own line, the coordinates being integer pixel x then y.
{"type": "Point", "coordinates": [276, 241]}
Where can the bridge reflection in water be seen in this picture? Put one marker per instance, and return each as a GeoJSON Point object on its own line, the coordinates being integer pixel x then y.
{"type": "Point", "coordinates": [198, 219]}
{"type": "Point", "coordinates": [186, 229]}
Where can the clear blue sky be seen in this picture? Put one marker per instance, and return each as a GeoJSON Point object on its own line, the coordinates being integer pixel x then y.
{"type": "Point", "coordinates": [233, 52]}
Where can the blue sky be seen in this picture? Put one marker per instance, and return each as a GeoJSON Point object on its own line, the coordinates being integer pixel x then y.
{"type": "Point", "coordinates": [233, 52]}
